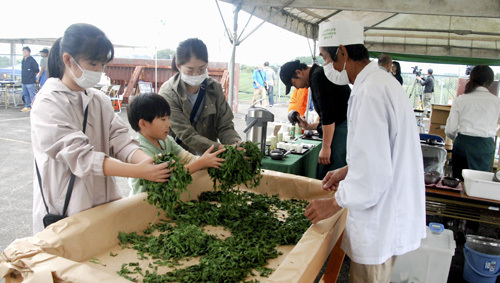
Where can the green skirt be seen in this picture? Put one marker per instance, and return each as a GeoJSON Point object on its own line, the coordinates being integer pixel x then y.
{"type": "Point", "coordinates": [470, 152]}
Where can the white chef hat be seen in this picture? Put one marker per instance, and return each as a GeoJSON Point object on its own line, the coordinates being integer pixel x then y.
{"type": "Point", "coordinates": [340, 32]}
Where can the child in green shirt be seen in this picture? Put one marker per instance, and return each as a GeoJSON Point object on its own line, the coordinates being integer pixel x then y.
{"type": "Point", "coordinates": [149, 114]}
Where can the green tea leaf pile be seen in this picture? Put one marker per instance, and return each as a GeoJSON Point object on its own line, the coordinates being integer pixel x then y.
{"type": "Point", "coordinates": [258, 224]}
{"type": "Point", "coordinates": [167, 195]}
{"type": "Point", "coordinates": [240, 167]}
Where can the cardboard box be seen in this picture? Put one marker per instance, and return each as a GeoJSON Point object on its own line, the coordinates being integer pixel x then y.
{"type": "Point", "coordinates": [437, 129]}
{"type": "Point", "coordinates": [493, 88]}
{"type": "Point", "coordinates": [65, 249]}
{"type": "Point", "coordinates": [440, 114]}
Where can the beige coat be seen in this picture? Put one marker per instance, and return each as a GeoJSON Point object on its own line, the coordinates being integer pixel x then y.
{"type": "Point", "coordinates": [60, 147]}
{"type": "Point", "coordinates": [215, 125]}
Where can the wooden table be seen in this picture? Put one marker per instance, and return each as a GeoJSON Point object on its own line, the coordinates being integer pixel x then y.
{"type": "Point", "coordinates": [457, 204]}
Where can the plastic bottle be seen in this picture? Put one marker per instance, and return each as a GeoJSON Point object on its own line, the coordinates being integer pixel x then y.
{"type": "Point", "coordinates": [298, 130]}
{"type": "Point", "coordinates": [292, 131]}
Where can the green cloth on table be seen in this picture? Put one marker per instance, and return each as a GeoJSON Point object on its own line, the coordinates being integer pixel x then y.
{"type": "Point", "coordinates": [298, 164]}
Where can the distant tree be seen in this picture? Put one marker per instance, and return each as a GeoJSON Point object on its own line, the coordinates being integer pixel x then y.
{"type": "Point", "coordinates": [308, 60]}
{"type": "Point", "coordinates": [4, 61]}
{"type": "Point", "coordinates": [166, 53]}
{"type": "Point", "coordinates": [247, 68]}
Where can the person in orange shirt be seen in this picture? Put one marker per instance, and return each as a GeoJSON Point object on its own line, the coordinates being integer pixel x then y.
{"type": "Point", "coordinates": [298, 100]}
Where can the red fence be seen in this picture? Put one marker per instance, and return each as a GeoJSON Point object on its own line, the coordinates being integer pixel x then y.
{"type": "Point", "coordinates": [127, 72]}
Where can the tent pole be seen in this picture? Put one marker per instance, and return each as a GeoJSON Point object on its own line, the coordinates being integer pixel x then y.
{"type": "Point", "coordinates": [13, 59]}
{"type": "Point", "coordinates": [236, 10]}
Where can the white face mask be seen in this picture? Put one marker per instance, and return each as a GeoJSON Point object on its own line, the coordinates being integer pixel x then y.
{"type": "Point", "coordinates": [336, 77]}
{"type": "Point", "coordinates": [88, 78]}
{"type": "Point", "coordinates": [194, 80]}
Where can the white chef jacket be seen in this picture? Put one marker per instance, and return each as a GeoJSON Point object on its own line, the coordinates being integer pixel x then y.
{"type": "Point", "coordinates": [384, 189]}
{"type": "Point", "coordinates": [474, 114]}
{"type": "Point", "coordinates": [60, 147]}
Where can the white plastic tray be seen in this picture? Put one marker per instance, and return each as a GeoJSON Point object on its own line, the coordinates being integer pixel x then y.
{"type": "Point", "coordinates": [479, 184]}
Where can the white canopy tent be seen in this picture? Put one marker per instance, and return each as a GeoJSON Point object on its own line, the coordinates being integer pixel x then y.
{"type": "Point", "coordinates": [443, 31]}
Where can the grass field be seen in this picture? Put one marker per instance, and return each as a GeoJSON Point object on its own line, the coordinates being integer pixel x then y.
{"type": "Point", "coordinates": [246, 88]}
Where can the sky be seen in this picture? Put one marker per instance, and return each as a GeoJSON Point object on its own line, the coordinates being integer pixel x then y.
{"type": "Point", "coordinates": [156, 25]}
{"type": "Point", "coordinates": [160, 24]}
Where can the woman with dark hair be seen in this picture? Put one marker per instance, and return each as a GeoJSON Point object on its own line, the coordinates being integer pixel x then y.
{"type": "Point", "coordinates": [472, 123]}
{"type": "Point", "coordinates": [77, 138]}
{"type": "Point", "coordinates": [396, 71]}
{"type": "Point", "coordinates": [201, 117]}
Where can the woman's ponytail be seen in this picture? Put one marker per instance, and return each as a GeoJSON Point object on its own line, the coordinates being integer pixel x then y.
{"type": "Point", "coordinates": [55, 62]}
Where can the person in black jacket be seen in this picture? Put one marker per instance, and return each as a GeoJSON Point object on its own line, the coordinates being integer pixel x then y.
{"type": "Point", "coordinates": [29, 70]}
{"type": "Point", "coordinates": [330, 102]}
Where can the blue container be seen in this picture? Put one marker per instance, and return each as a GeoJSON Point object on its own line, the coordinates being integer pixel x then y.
{"type": "Point", "coordinates": [481, 267]}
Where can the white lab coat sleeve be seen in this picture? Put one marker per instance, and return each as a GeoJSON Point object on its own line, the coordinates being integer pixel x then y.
{"type": "Point", "coordinates": [59, 134]}
{"type": "Point", "coordinates": [451, 129]}
{"type": "Point", "coordinates": [369, 157]}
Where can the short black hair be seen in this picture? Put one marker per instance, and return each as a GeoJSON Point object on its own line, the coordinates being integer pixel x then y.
{"type": "Point", "coordinates": [266, 64]}
{"type": "Point", "coordinates": [191, 47]}
{"type": "Point", "coordinates": [147, 106]}
{"type": "Point", "coordinates": [27, 48]}
{"type": "Point", "coordinates": [357, 52]}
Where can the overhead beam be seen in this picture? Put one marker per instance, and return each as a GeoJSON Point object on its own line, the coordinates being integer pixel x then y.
{"type": "Point", "coordinates": [433, 50]}
{"type": "Point", "coordinates": [35, 41]}
{"type": "Point", "coordinates": [286, 20]}
{"type": "Point", "coordinates": [466, 8]}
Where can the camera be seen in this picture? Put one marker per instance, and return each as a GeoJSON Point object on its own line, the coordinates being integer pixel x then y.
{"type": "Point", "coordinates": [468, 69]}
{"type": "Point", "coordinates": [417, 71]}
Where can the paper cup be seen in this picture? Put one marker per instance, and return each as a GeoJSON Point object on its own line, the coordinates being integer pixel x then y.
{"type": "Point", "coordinates": [274, 142]}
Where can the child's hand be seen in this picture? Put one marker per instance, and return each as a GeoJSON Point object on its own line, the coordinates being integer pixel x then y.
{"type": "Point", "coordinates": [210, 160]}
{"type": "Point", "coordinates": [154, 172]}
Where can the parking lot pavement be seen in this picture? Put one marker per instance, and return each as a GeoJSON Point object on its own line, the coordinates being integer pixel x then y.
{"type": "Point", "coordinates": [16, 168]}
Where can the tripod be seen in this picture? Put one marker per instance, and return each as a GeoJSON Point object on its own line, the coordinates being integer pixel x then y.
{"type": "Point", "coordinates": [417, 93]}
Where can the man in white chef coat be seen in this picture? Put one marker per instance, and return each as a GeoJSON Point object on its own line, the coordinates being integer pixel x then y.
{"type": "Point", "coordinates": [382, 185]}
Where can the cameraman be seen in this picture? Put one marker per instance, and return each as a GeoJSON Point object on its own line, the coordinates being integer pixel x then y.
{"type": "Point", "coordinates": [428, 84]}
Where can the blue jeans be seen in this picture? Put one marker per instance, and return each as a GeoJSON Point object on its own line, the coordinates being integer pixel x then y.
{"type": "Point", "coordinates": [43, 78]}
{"type": "Point", "coordinates": [271, 96]}
{"type": "Point", "coordinates": [29, 92]}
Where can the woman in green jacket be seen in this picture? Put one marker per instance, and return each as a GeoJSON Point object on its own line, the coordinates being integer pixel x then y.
{"type": "Point", "coordinates": [201, 116]}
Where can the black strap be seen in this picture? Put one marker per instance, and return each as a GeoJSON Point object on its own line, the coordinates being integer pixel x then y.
{"type": "Point", "coordinates": [265, 82]}
{"type": "Point", "coordinates": [260, 73]}
{"type": "Point", "coordinates": [199, 99]}
{"type": "Point", "coordinates": [71, 180]}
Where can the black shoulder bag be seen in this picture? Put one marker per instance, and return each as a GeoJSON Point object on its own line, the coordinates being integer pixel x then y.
{"type": "Point", "coordinates": [50, 218]}
{"type": "Point", "coordinates": [197, 104]}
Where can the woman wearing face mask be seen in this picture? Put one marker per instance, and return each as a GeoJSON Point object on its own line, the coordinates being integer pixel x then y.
{"type": "Point", "coordinates": [200, 116]}
{"type": "Point", "coordinates": [75, 133]}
